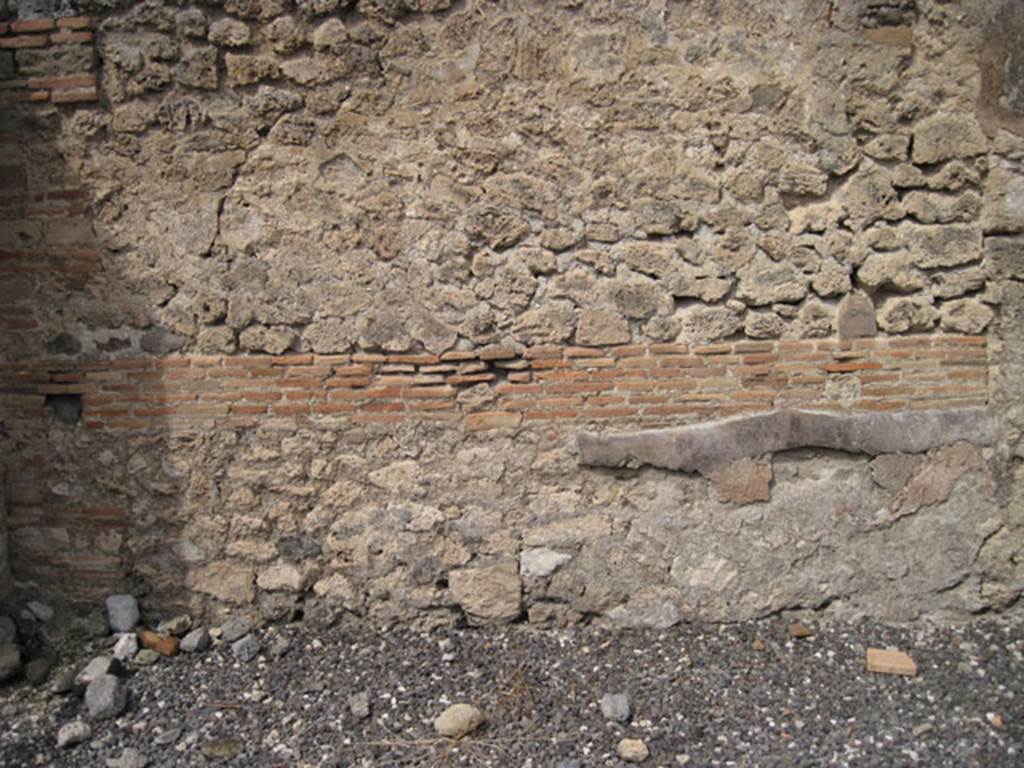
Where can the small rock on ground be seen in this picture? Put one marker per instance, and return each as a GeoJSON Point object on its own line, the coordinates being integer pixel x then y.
{"type": "Point", "coordinates": [616, 707]}
{"type": "Point", "coordinates": [129, 758]}
{"type": "Point", "coordinates": [359, 705]}
{"type": "Point", "coordinates": [246, 648]}
{"type": "Point", "coordinates": [106, 697]}
{"type": "Point", "coordinates": [633, 750]}
{"type": "Point", "coordinates": [458, 721]}
{"type": "Point", "coordinates": [10, 661]}
{"type": "Point", "coordinates": [235, 628]}
{"type": "Point", "coordinates": [73, 733]}
{"type": "Point", "coordinates": [195, 641]}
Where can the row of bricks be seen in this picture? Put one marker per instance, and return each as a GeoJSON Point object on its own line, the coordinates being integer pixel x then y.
{"type": "Point", "coordinates": [23, 26]}
{"type": "Point", "coordinates": [924, 346]}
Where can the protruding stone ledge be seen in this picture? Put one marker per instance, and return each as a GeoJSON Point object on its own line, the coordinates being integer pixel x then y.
{"type": "Point", "coordinates": [702, 447]}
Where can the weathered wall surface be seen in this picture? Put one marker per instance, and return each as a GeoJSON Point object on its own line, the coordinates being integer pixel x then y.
{"type": "Point", "coordinates": [307, 302]}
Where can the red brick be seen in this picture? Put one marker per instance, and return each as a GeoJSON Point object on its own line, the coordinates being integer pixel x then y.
{"type": "Point", "coordinates": [32, 25]}
{"type": "Point", "coordinates": [66, 36]}
{"type": "Point", "coordinates": [248, 410]}
{"type": "Point", "coordinates": [74, 22]}
{"type": "Point", "coordinates": [334, 408]}
{"type": "Point", "coordinates": [498, 354]}
{"type": "Point", "coordinates": [851, 367]}
{"type": "Point", "coordinates": [473, 378]}
{"type": "Point", "coordinates": [25, 41]}
{"type": "Point", "coordinates": [70, 81]}
{"type": "Point", "coordinates": [457, 356]}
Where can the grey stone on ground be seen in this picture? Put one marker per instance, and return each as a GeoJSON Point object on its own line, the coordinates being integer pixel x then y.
{"type": "Point", "coordinates": [129, 758]}
{"type": "Point", "coordinates": [126, 647]}
{"type": "Point", "coordinates": [106, 697]}
{"type": "Point", "coordinates": [246, 648]}
{"type": "Point", "coordinates": [359, 705]}
{"type": "Point", "coordinates": [616, 707]}
{"type": "Point", "coordinates": [38, 670]}
{"type": "Point", "coordinates": [101, 665]}
{"type": "Point", "coordinates": [73, 733]}
{"type": "Point", "coordinates": [41, 611]}
{"type": "Point", "coordinates": [122, 613]}
{"type": "Point", "coordinates": [63, 682]}
{"type": "Point", "coordinates": [235, 627]}
{"type": "Point", "coordinates": [196, 640]}
{"type": "Point", "coordinates": [459, 720]}
{"type": "Point", "coordinates": [10, 661]}
{"type": "Point", "coordinates": [8, 630]}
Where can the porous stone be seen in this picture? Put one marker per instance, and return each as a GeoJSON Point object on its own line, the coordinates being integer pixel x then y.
{"type": "Point", "coordinates": [946, 136]}
{"type": "Point", "coordinates": [488, 594]}
{"type": "Point", "coordinates": [73, 733]}
{"type": "Point", "coordinates": [129, 758]}
{"type": "Point", "coordinates": [744, 481]}
{"type": "Point", "coordinates": [964, 316]}
{"type": "Point", "coordinates": [230, 33]}
{"type": "Point", "coordinates": [903, 315]}
{"type": "Point", "coordinates": [459, 720]}
{"type": "Point", "coordinates": [540, 562]}
{"type": "Point", "coordinates": [598, 327]}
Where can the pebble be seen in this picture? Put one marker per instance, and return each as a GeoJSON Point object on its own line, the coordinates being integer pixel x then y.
{"type": "Point", "coordinates": [38, 670]}
{"type": "Point", "coordinates": [359, 705]}
{"type": "Point", "coordinates": [168, 737]}
{"type": "Point", "coordinates": [195, 641]}
{"type": "Point", "coordinates": [8, 630]}
{"type": "Point", "coordinates": [129, 758]}
{"type": "Point", "coordinates": [122, 613]}
{"type": "Point", "coordinates": [10, 661]}
{"type": "Point", "coordinates": [616, 707]}
{"type": "Point", "coordinates": [64, 682]}
{"type": "Point", "coordinates": [146, 658]}
{"type": "Point", "coordinates": [126, 647]}
{"type": "Point", "coordinates": [73, 733]}
{"type": "Point", "coordinates": [246, 648]}
{"type": "Point", "coordinates": [798, 631]}
{"type": "Point", "coordinates": [633, 750]}
{"type": "Point", "coordinates": [459, 720]}
{"type": "Point", "coordinates": [40, 611]}
{"type": "Point", "coordinates": [221, 749]}
{"type": "Point", "coordinates": [176, 626]}
{"type": "Point", "coordinates": [101, 665]}
{"type": "Point", "coordinates": [106, 697]}
{"type": "Point", "coordinates": [235, 628]}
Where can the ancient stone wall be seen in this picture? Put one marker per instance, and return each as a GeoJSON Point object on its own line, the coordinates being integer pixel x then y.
{"type": "Point", "coordinates": [310, 303]}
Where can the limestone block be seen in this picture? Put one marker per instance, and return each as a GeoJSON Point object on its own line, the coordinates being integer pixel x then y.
{"type": "Point", "coordinates": [964, 316]}
{"type": "Point", "coordinates": [488, 594]}
{"type": "Point", "coordinates": [230, 582]}
{"type": "Point", "coordinates": [947, 136]}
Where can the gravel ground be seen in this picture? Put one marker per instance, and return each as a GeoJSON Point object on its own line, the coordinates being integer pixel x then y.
{"type": "Point", "coordinates": [700, 696]}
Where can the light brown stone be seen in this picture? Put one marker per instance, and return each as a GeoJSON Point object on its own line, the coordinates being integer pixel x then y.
{"type": "Point", "coordinates": [890, 662]}
{"type": "Point", "coordinates": [744, 481]}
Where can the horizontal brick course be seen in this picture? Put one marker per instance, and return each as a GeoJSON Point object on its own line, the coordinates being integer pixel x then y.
{"type": "Point", "coordinates": [658, 384]}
